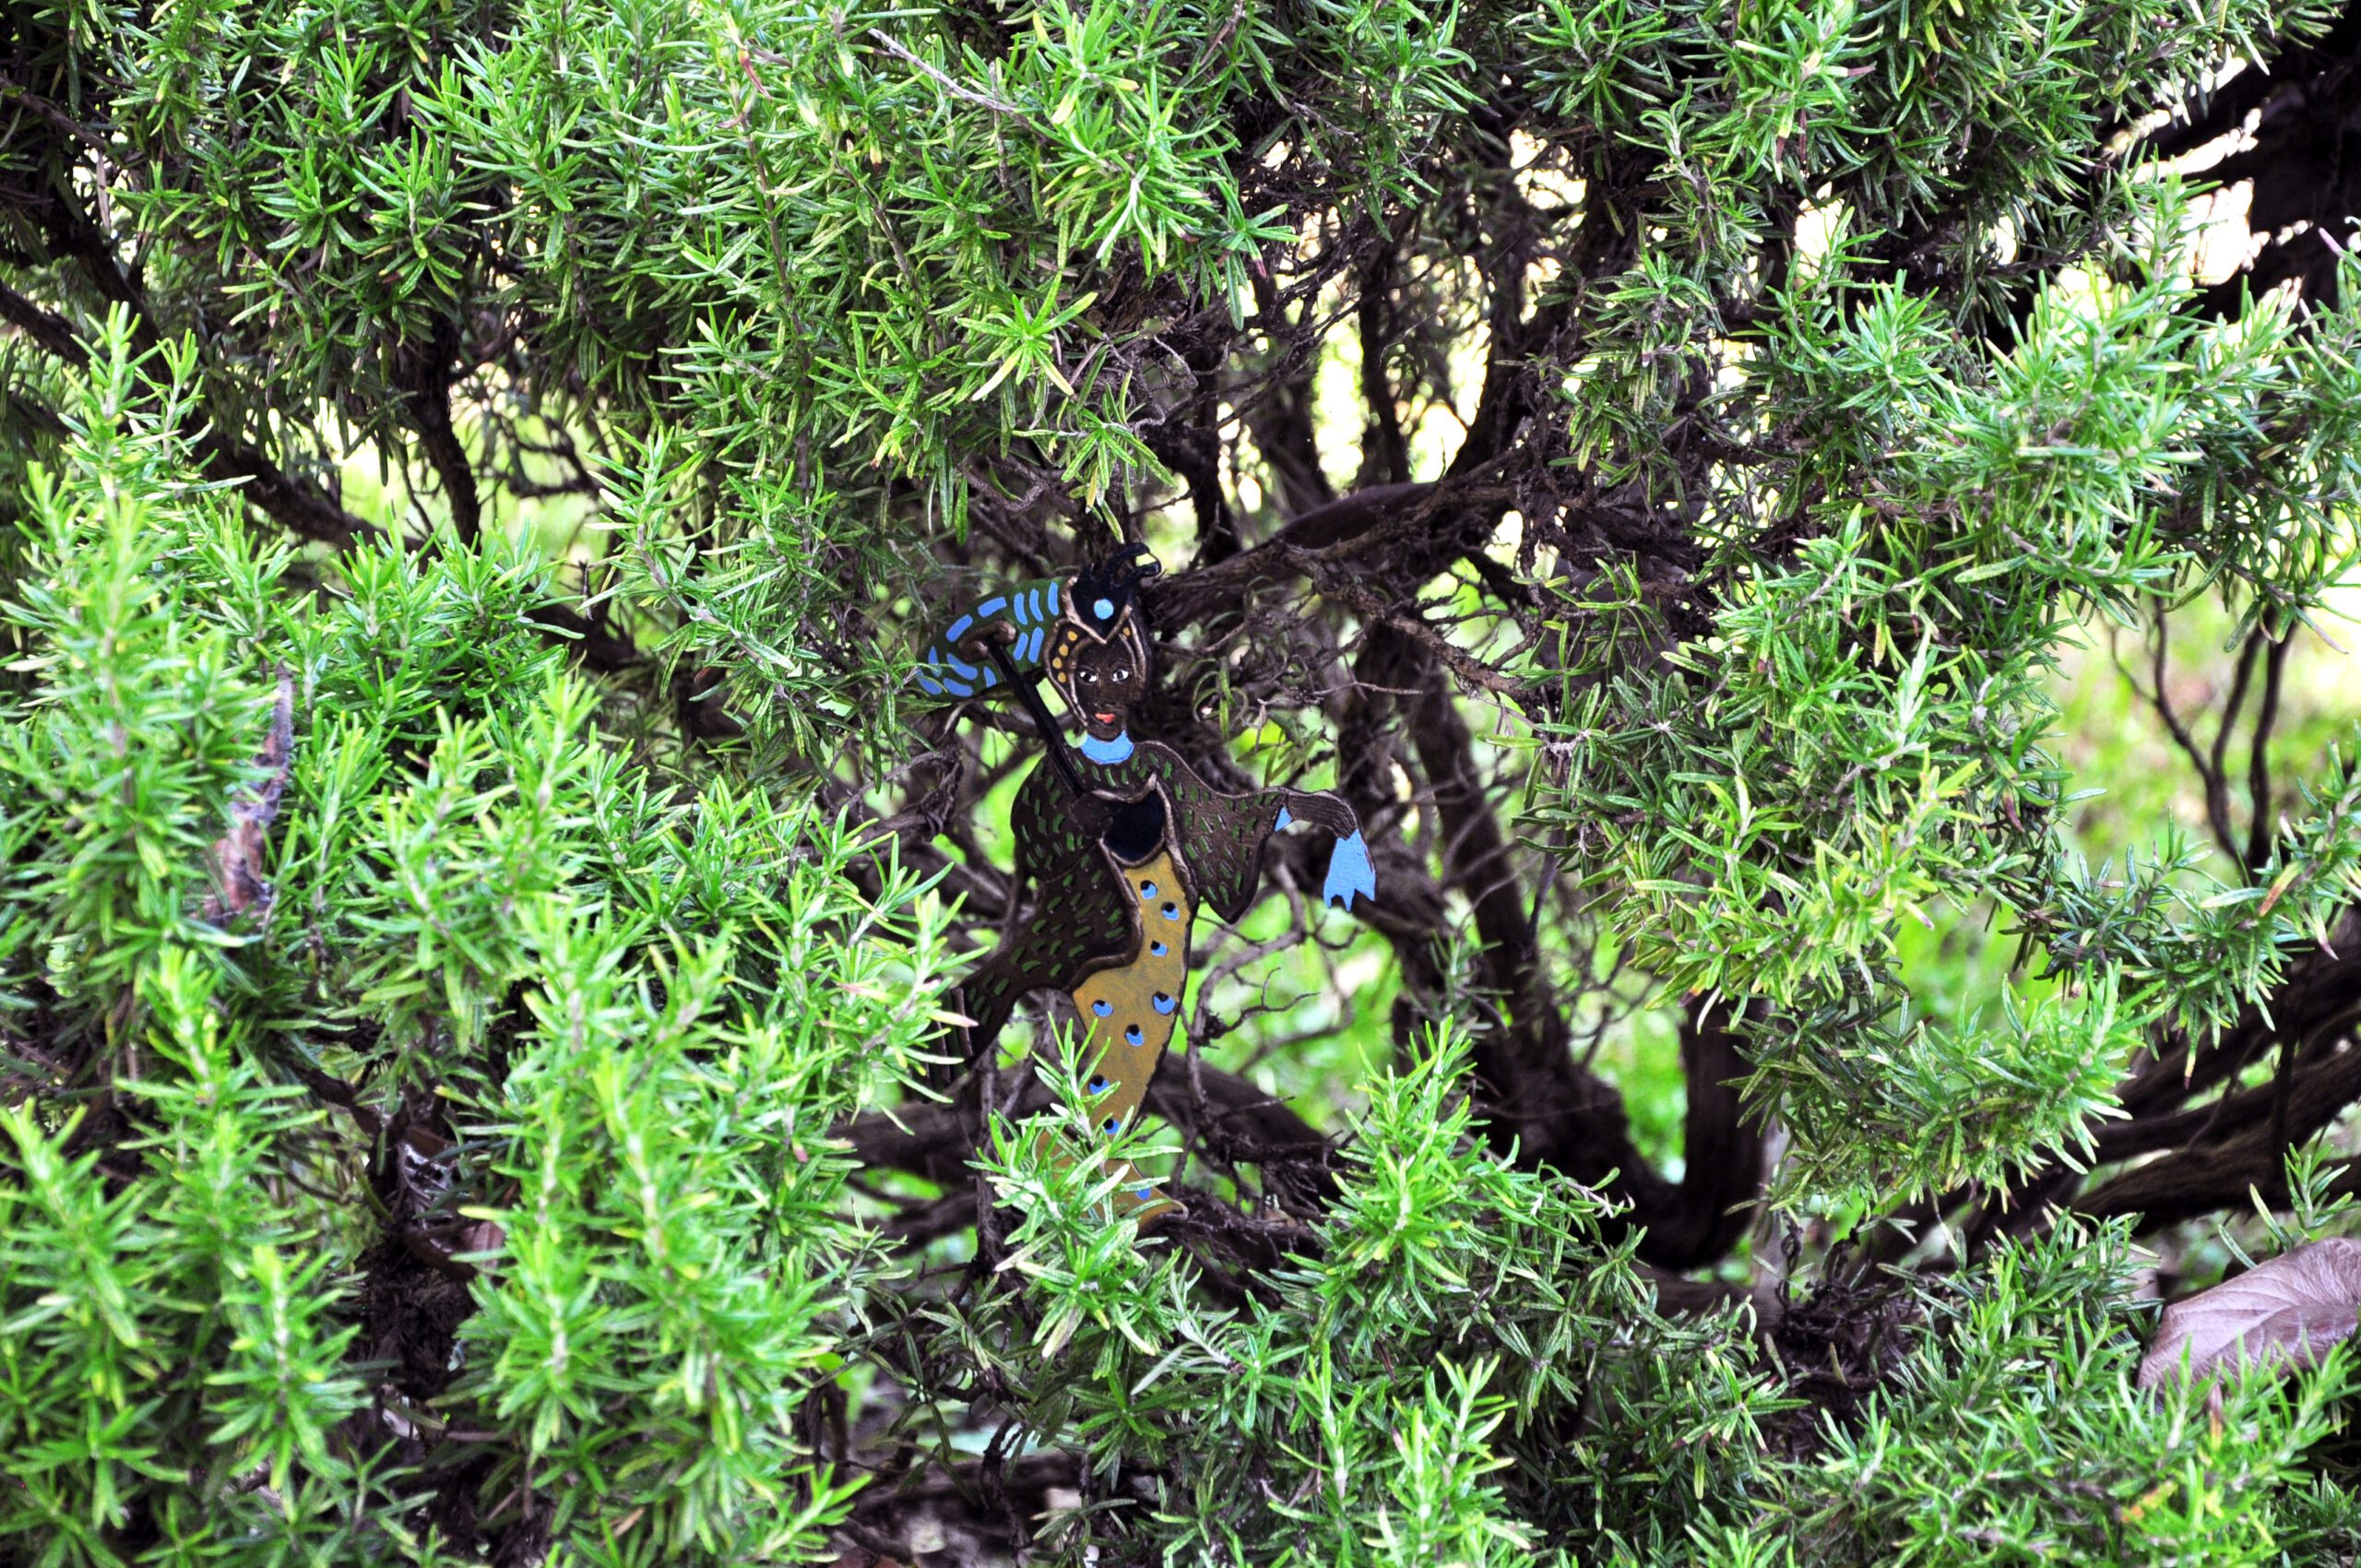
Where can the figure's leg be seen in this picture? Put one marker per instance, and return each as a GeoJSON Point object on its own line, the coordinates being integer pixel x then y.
{"type": "Point", "coordinates": [1325, 809]}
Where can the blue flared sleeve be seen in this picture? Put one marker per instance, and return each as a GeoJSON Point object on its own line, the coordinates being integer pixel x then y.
{"type": "Point", "coordinates": [1350, 872]}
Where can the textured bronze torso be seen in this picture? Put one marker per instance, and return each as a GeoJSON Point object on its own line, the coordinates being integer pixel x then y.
{"type": "Point", "coordinates": [1115, 934]}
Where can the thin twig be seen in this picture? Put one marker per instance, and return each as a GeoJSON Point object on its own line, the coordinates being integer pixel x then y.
{"type": "Point", "coordinates": [2236, 700]}
{"type": "Point", "coordinates": [2217, 795]}
{"type": "Point", "coordinates": [2259, 826]}
{"type": "Point", "coordinates": [982, 101]}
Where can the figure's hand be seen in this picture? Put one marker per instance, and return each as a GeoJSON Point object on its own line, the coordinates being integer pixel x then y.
{"type": "Point", "coordinates": [977, 644]}
{"type": "Point", "coordinates": [1326, 811]}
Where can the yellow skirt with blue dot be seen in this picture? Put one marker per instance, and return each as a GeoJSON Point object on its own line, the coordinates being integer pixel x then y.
{"type": "Point", "coordinates": [1130, 1012]}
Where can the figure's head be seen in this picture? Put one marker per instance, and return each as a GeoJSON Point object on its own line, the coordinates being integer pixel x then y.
{"type": "Point", "coordinates": [1099, 652]}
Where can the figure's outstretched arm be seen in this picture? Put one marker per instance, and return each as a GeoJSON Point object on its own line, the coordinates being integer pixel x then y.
{"type": "Point", "coordinates": [1349, 871]}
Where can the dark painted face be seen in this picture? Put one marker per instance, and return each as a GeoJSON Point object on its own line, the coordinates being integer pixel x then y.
{"type": "Point", "coordinates": [1101, 681]}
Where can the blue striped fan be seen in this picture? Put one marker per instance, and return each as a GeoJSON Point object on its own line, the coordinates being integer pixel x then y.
{"type": "Point", "coordinates": [1029, 607]}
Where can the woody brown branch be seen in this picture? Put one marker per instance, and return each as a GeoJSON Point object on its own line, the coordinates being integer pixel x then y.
{"type": "Point", "coordinates": [1539, 1101]}
{"type": "Point", "coordinates": [2217, 1143]}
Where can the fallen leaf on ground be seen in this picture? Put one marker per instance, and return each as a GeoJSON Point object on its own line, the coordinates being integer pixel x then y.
{"type": "Point", "coordinates": [2292, 1310]}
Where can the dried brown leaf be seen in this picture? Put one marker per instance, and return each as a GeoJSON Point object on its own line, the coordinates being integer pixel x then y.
{"type": "Point", "coordinates": [2291, 1310]}
{"type": "Point", "coordinates": [238, 854]}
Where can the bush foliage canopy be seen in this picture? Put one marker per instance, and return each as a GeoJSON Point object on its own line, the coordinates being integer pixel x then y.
{"type": "Point", "coordinates": [484, 906]}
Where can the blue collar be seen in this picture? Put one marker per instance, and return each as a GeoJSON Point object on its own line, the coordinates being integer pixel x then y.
{"type": "Point", "coordinates": [1107, 752]}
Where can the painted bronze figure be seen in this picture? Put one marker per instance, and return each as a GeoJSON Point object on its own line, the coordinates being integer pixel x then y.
{"type": "Point", "coordinates": [1124, 845]}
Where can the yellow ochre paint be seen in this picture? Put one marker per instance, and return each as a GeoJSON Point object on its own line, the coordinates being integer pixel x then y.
{"type": "Point", "coordinates": [1130, 1013]}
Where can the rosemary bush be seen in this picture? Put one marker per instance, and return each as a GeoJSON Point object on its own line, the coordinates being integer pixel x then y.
{"type": "Point", "coordinates": [482, 906]}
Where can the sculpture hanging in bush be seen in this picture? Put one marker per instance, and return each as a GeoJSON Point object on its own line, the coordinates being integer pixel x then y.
{"type": "Point", "coordinates": [1123, 846]}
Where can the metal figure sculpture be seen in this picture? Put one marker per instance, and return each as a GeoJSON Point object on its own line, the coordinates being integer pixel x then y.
{"type": "Point", "coordinates": [1125, 845]}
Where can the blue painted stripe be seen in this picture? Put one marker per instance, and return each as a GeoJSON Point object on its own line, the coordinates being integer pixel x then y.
{"type": "Point", "coordinates": [1053, 598]}
{"type": "Point", "coordinates": [929, 686]}
{"type": "Point", "coordinates": [962, 666]}
{"type": "Point", "coordinates": [959, 629]}
{"type": "Point", "coordinates": [991, 607]}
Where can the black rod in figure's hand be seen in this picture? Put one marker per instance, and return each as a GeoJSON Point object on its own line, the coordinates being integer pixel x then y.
{"type": "Point", "coordinates": [1053, 738]}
